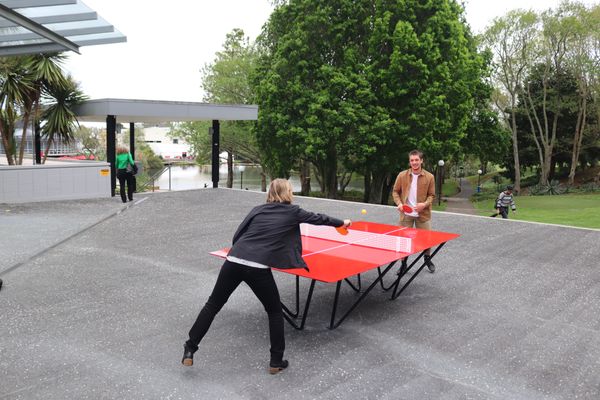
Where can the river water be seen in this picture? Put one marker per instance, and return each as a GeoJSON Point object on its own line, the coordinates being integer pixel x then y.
{"type": "Point", "coordinates": [185, 177]}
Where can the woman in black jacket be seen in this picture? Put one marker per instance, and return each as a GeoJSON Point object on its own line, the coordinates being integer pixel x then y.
{"type": "Point", "coordinates": [268, 237]}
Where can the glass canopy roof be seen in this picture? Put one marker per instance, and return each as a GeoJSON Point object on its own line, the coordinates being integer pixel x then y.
{"type": "Point", "coordinates": [39, 26]}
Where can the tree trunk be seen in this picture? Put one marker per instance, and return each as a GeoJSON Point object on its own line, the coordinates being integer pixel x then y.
{"type": "Point", "coordinates": [330, 180]}
{"type": "Point", "coordinates": [578, 138]}
{"type": "Point", "coordinates": [23, 138]}
{"type": "Point", "coordinates": [343, 182]}
{"type": "Point", "coordinates": [7, 150]}
{"type": "Point", "coordinates": [549, 151]}
{"type": "Point", "coordinates": [6, 142]}
{"type": "Point", "coordinates": [50, 139]}
{"type": "Point", "coordinates": [305, 178]}
{"type": "Point", "coordinates": [517, 183]}
{"type": "Point", "coordinates": [319, 178]}
{"type": "Point", "coordinates": [263, 181]}
{"type": "Point", "coordinates": [367, 184]}
{"type": "Point", "coordinates": [552, 172]}
{"type": "Point", "coordinates": [229, 169]}
{"type": "Point", "coordinates": [545, 173]}
{"type": "Point", "coordinates": [538, 146]}
{"type": "Point", "coordinates": [376, 191]}
{"type": "Point", "coordinates": [387, 189]}
{"type": "Point", "coordinates": [327, 174]}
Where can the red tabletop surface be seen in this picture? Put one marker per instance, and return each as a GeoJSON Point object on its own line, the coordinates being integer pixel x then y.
{"type": "Point", "coordinates": [331, 260]}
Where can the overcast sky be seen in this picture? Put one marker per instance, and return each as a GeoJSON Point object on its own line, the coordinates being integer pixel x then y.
{"type": "Point", "coordinates": [169, 42]}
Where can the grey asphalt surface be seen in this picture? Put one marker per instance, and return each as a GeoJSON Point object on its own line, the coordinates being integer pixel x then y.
{"type": "Point", "coordinates": [28, 229]}
{"type": "Point", "coordinates": [511, 313]}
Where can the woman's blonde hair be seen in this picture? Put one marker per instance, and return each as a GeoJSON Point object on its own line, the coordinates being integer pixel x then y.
{"type": "Point", "coordinates": [280, 191]}
{"type": "Point", "coordinates": [122, 150]}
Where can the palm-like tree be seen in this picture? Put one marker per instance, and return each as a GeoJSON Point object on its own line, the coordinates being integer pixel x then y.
{"type": "Point", "coordinates": [58, 114]}
{"type": "Point", "coordinates": [23, 82]}
{"type": "Point", "coordinates": [43, 71]}
{"type": "Point", "coordinates": [15, 84]}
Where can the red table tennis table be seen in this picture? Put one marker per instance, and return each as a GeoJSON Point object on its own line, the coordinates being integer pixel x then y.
{"type": "Point", "coordinates": [334, 258]}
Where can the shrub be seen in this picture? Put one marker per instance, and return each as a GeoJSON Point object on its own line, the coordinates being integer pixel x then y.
{"type": "Point", "coordinates": [553, 188]}
{"type": "Point", "coordinates": [590, 187]}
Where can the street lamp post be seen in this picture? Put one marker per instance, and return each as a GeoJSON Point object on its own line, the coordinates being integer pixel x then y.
{"type": "Point", "coordinates": [461, 169]}
{"type": "Point", "coordinates": [440, 179]}
{"type": "Point", "coordinates": [242, 168]}
{"type": "Point", "coordinates": [479, 172]}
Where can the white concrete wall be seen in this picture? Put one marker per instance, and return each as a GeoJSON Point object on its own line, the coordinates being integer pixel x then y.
{"type": "Point", "coordinates": [34, 183]}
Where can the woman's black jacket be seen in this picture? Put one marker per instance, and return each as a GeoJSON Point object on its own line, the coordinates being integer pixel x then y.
{"type": "Point", "coordinates": [270, 235]}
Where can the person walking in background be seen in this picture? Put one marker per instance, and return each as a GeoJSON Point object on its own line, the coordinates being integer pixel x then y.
{"type": "Point", "coordinates": [506, 199]}
{"type": "Point", "coordinates": [269, 237]}
{"type": "Point", "coordinates": [415, 187]}
{"type": "Point", "coordinates": [126, 170]}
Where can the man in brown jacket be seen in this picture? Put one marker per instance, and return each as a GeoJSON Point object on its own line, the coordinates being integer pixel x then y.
{"type": "Point", "coordinates": [415, 187]}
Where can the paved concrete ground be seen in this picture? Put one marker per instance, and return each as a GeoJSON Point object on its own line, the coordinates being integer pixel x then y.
{"type": "Point", "coordinates": [27, 229]}
{"type": "Point", "coordinates": [511, 313]}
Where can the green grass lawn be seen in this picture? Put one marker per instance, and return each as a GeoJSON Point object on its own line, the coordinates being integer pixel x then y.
{"type": "Point", "coordinates": [582, 210]}
{"type": "Point", "coordinates": [450, 188]}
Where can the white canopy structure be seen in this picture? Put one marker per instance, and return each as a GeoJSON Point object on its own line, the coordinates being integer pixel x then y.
{"type": "Point", "coordinates": [115, 111]}
{"type": "Point", "coordinates": [156, 111]}
{"type": "Point", "coordinates": [43, 26]}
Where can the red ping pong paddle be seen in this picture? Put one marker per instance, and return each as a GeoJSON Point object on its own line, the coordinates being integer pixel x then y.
{"type": "Point", "coordinates": [407, 209]}
{"type": "Point", "coordinates": [342, 230]}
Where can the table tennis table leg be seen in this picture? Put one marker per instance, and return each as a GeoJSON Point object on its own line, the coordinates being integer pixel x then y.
{"type": "Point", "coordinates": [287, 310]}
{"type": "Point", "coordinates": [395, 282]}
{"type": "Point", "coordinates": [355, 288]}
{"type": "Point", "coordinates": [397, 292]}
{"type": "Point", "coordinates": [288, 315]}
{"type": "Point", "coordinates": [333, 324]}
{"type": "Point", "coordinates": [335, 303]}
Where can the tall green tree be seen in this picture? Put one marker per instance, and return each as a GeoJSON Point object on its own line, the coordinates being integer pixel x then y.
{"type": "Point", "coordinates": [536, 57]}
{"type": "Point", "coordinates": [424, 70]}
{"type": "Point", "coordinates": [227, 81]}
{"type": "Point", "coordinates": [583, 59]}
{"type": "Point", "coordinates": [511, 39]}
{"type": "Point", "coordinates": [545, 93]}
{"type": "Point", "coordinates": [486, 137]}
{"type": "Point", "coordinates": [361, 83]}
{"type": "Point", "coordinates": [545, 109]}
{"type": "Point", "coordinates": [561, 54]}
{"type": "Point", "coordinates": [311, 85]}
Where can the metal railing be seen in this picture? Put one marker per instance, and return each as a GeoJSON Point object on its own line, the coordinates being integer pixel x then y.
{"type": "Point", "coordinates": [150, 182]}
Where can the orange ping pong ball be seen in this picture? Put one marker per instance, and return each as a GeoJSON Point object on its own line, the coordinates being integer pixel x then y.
{"type": "Point", "coordinates": [363, 211]}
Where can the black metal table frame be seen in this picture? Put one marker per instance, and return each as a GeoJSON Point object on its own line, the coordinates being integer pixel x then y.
{"type": "Point", "coordinates": [293, 316]}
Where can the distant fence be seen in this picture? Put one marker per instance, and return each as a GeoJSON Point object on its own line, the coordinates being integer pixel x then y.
{"type": "Point", "coordinates": [69, 181]}
{"type": "Point", "coordinates": [58, 147]}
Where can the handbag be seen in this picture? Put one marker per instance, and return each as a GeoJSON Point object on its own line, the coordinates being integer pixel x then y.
{"type": "Point", "coordinates": [131, 169]}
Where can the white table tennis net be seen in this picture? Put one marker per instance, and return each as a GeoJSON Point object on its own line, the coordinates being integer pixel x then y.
{"type": "Point", "coordinates": [361, 238]}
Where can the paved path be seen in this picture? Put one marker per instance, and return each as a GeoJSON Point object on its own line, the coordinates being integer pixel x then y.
{"type": "Point", "coordinates": [101, 310]}
{"type": "Point", "coordinates": [461, 203]}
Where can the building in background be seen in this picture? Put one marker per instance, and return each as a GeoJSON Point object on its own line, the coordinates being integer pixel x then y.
{"type": "Point", "coordinates": [165, 146]}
